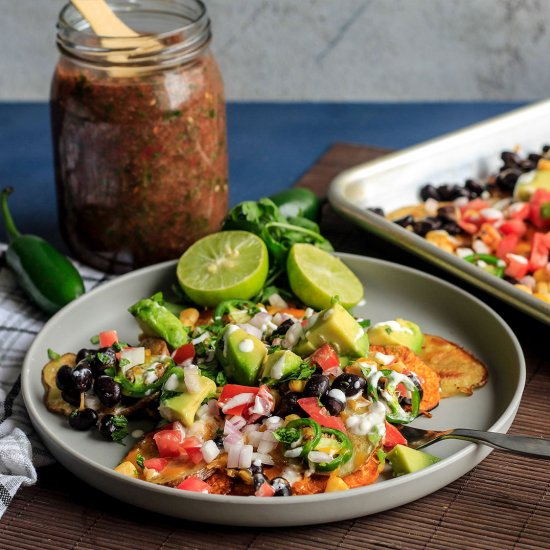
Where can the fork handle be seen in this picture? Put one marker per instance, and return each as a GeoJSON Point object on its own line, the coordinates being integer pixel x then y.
{"type": "Point", "coordinates": [519, 444]}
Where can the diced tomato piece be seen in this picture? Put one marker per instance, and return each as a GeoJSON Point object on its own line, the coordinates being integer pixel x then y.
{"type": "Point", "coordinates": [507, 245]}
{"type": "Point", "coordinates": [194, 484]}
{"type": "Point", "coordinates": [168, 442]}
{"type": "Point", "coordinates": [191, 446]}
{"type": "Point", "coordinates": [468, 227]}
{"type": "Point", "coordinates": [157, 464]}
{"type": "Point", "coordinates": [107, 338]}
{"type": "Point", "coordinates": [517, 266]}
{"type": "Point", "coordinates": [518, 211]}
{"type": "Point", "coordinates": [233, 390]}
{"type": "Point", "coordinates": [265, 490]}
{"type": "Point", "coordinates": [540, 197]}
{"type": "Point", "coordinates": [183, 353]}
{"type": "Point", "coordinates": [539, 252]}
{"type": "Point", "coordinates": [476, 204]}
{"type": "Point", "coordinates": [320, 414]}
{"type": "Point", "coordinates": [393, 437]}
{"type": "Point", "coordinates": [325, 357]}
{"type": "Point", "coordinates": [513, 227]}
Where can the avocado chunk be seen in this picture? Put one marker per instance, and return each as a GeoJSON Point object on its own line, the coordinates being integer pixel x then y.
{"type": "Point", "coordinates": [241, 355]}
{"type": "Point", "coordinates": [157, 320]}
{"type": "Point", "coordinates": [335, 326]}
{"type": "Point", "coordinates": [399, 332]}
{"type": "Point", "coordinates": [405, 460]}
{"type": "Point", "coordinates": [279, 364]}
{"type": "Point", "coordinates": [183, 406]}
{"type": "Point", "coordinates": [528, 183]}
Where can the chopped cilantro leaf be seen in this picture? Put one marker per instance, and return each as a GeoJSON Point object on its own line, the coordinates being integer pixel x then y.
{"type": "Point", "coordinates": [53, 356]}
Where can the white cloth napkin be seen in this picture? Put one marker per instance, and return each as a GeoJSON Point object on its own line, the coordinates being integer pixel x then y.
{"type": "Point", "coordinates": [21, 451]}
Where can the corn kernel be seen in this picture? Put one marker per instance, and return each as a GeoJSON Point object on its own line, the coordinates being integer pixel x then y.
{"type": "Point", "coordinates": [542, 287]}
{"type": "Point", "coordinates": [189, 316]}
{"type": "Point", "coordinates": [543, 297]}
{"type": "Point", "coordinates": [297, 385]}
{"type": "Point", "coordinates": [336, 484]}
{"type": "Point", "coordinates": [127, 468]}
{"type": "Point", "coordinates": [541, 274]}
{"type": "Point", "coordinates": [291, 417]}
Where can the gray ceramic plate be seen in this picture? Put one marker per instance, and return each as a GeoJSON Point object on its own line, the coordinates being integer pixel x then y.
{"type": "Point", "coordinates": [391, 290]}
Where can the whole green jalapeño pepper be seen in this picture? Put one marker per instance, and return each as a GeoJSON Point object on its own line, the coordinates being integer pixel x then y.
{"type": "Point", "coordinates": [45, 275]}
{"type": "Point", "coordinates": [342, 455]}
{"type": "Point", "coordinates": [298, 201]}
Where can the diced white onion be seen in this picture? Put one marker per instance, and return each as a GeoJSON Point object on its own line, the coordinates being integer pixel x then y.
{"type": "Point", "coordinates": [254, 438]}
{"type": "Point", "coordinates": [209, 451]}
{"type": "Point", "coordinates": [276, 301]}
{"type": "Point", "coordinates": [191, 378]}
{"type": "Point", "coordinates": [263, 458]}
{"type": "Point", "coordinates": [204, 336]}
{"type": "Point", "coordinates": [529, 281]}
{"type": "Point", "coordinates": [480, 247]}
{"type": "Point", "coordinates": [293, 335]}
{"type": "Point", "coordinates": [333, 371]}
{"type": "Point", "coordinates": [317, 457]}
{"type": "Point", "coordinates": [233, 425]}
{"type": "Point", "coordinates": [280, 318]}
{"type": "Point", "coordinates": [260, 320]}
{"type": "Point", "coordinates": [172, 383]}
{"type": "Point", "coordinates": [177, 425]}
{"type": "Point", "coordinates": [245, 457]}
{"type": "Point", "coordinates": [252, 330]}
{"type": "Point", "coordinates": [293, 453]}
{"type": "Point", "coordinates": [266, 446]}
{"type": "Point", "coordinates": [233, 454]}
{"type": "Point", "coordinates": [431, 206]}
{"type": "Point", "coordinates": [462, 252]}
{"type": "Point", "coordinates": [273, 423]}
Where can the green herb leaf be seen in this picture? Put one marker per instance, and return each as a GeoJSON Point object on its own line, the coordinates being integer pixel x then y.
{"type": "Point", "coordinates": [140, 460]}
{"type": "Point", "coordinates": [52, 355]}
{"type": "Point", "coordinates": [388, 330]}
{"type": "Point", "coordinates": [121, 424]}
{"type": "Point", "coordinates": [287, 435]}
{"type": "Point", "coordinates": [365, 323]}
{"type": "Point", "coordinates": [94, 340]}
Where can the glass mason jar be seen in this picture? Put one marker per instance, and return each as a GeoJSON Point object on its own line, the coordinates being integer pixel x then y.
{"type": "Point", "coordinates": [139, 135]}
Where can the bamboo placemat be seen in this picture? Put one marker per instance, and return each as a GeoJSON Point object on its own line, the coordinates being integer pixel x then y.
{"type": "Point", "coordinates": [503, 503]}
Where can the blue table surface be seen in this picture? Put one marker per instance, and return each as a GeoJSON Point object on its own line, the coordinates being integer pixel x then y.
{"type": "Point", "coordinates": [270, 145]}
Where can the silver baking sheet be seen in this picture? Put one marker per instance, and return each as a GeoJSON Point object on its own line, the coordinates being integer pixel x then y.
{"type": "Point", "coordinates": [394, 181]}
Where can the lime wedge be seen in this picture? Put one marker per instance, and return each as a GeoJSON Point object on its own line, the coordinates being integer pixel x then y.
{"type": "Point", "coordinates": [223, 266]}
{"type": "Point", "coordinates": [316, 276]}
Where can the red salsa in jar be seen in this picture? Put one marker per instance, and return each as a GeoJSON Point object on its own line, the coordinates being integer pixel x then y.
{"type": "Point", "coordinates": [140, 147]}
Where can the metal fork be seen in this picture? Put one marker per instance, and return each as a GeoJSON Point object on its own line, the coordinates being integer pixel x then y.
{"type": "Point", "coordinates": [519, 444]}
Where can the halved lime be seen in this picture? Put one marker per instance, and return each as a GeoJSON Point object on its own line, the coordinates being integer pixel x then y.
{"type": "Point", "coordinates": [316, 276]}
{"type": "Point", "coordinates": [223, 266]}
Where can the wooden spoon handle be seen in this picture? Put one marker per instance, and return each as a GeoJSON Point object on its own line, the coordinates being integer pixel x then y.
{"type": "Point", "coordinates": [102, 19]}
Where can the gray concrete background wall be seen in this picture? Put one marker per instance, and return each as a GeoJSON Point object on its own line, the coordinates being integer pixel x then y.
{"type": "Point", "coordinates": [357, 50]}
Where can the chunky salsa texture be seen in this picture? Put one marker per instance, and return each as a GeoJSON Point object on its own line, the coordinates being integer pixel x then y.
{"type": "Point", "coordinates": [141, 160]}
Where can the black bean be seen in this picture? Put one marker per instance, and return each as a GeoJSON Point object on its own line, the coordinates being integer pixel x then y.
{"type": "Point", "coordinates": [534, 158]}
{"type": "Point", "coordinates": [376, 210]}
{"type": "Point", "coordinates": [447, 213]}
{"type": "Point", "coordinates": [474, 187]}
{"type": "Point", "coordinates": [528, 165]}
{"type": "Point", "coordinates": [511, 280]}
{"type": "Point", "coordinates": [450, 192]}
{"type": "Point", "coordinates": [421, 227]}
{"type": "Point", "coordinates": [258, 480]}
{"type": "Point", "coordinates": [83, 420]}
{"type": "Point", "coordinates": [72, 397]}
{"type": "Point", "coordinates": [102, 359]}
{"type": "Point", "coordinates": [281, 486]}
{"type": "Point", "coordinates": [429, 191]}
{"type": "Point", "coordinates": [545, 148]}
{"type": "Point", "coordinates": [289, 405]}
{"type": "Point", "coordinates": [107, 390]}
{"type": "Point", "coordinates": [256, 468]}
{"type": "Point", "coordinates": [282, 329]}
{"type": "Point", "coordinates": [316, 386]}
{"type": "Point", "coordinates": [452, 228]}
{"type": "Point", "coordinates": [405, 221]}
{"type": "Point", "coordinates": [510, 159]}
{"type": "Point", "coordinates": [350, 384]}
{"type": "Point", "coordinates": [85, 353]}
{"type": "Point", "coordinates": [507, 179]}
{"type": "Point", "coordinates": [333, 406]}
{"type": "Point", "coordinates": [82, 377]}
{"type": "Point", "coordinates": [218, 440]}
{"type": "Point", "coordinates": [63, 378]}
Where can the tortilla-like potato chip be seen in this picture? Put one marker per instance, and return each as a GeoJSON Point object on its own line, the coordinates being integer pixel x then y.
{"type": "Point", "coordinates": [428, 376]}
{"type": "Point", "coordinates": [459, 371]}
{"type": "Point", "coordinates": [54, 402]}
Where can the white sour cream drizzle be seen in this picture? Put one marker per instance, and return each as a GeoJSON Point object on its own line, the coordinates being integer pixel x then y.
{"type": "Point", "coordinates": [394, 326]}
